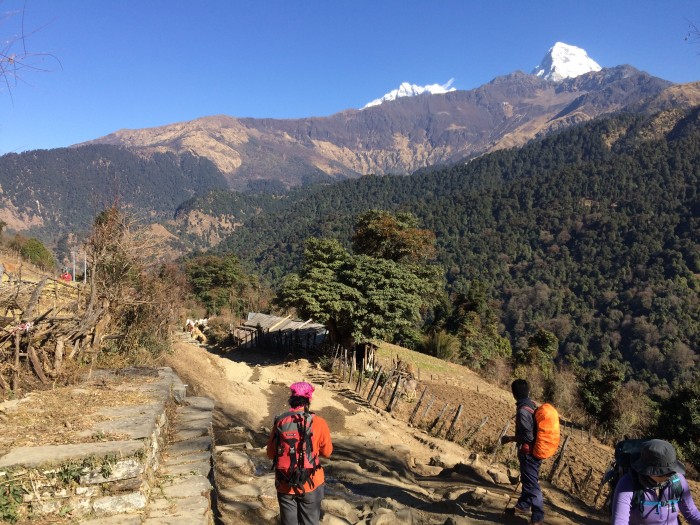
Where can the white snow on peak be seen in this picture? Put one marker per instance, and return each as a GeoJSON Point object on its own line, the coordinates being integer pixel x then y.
{"type": "Point", "coordinates": [565, 61]}
{"type": "Point", "coordinates": [411, 90]}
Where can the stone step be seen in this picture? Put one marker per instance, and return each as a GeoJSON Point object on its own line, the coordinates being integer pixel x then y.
{"type": "Point", "coordinates": [183, 491]}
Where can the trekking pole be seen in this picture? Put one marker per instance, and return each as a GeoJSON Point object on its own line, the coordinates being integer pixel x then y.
{"type": "Point", "coordinates": [510, 497]}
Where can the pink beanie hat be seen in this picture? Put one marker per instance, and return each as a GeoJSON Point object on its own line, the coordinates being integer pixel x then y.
{"type": "Point", "coordinates": [302, 389]}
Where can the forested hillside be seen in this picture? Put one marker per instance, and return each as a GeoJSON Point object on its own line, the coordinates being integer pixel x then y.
{"type": "Point", "coordinates": [592, 234]}
{"type": "Point", "coordinates": [61, 190]}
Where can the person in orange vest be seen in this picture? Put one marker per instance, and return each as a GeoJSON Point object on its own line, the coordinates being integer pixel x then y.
{"type": "Point", "coordinates": [531, 500]}
{"type": "Point", "coordinates": [297, 439]}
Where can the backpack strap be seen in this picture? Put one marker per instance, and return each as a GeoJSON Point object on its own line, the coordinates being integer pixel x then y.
{"type": "Point", "coordinates": [675, 493]}
{"type": "Point", "coordinates": [532, 409]}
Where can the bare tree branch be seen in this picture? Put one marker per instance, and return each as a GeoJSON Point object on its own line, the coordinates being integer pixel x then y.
{"type": "Point", "coordinates": [15, 58]}
{"type": "Point", "coordinates": [693, 35]}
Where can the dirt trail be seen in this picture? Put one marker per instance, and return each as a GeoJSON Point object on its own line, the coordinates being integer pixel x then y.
{"type": "Point", "coordinates": [382, 471]}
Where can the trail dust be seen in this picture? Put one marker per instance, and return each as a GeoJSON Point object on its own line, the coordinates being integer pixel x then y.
{"type": "Point", "coordinates": [382, 470]}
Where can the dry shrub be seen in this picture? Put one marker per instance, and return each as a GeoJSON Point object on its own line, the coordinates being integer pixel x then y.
{"type": "Point", "coordinates": [562, 391]}
{"type": "Point", "coordinates": [535, 378]}
{"type": "Point", "coordinates": [219, 330]}
{"type": "Point", "coordinates": [633, 410]}
{"type": "Point", "coordinates": [498, 370]}
{"type": "Point", "coordinates": [139, 293]}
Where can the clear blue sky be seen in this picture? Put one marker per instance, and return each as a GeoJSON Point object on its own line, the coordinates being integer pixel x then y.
{"type": "Point", "coordinates": [144, 63]}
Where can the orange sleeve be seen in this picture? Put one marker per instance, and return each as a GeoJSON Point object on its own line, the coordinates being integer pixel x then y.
{"type": "Point", "coordinates": [325, 445]}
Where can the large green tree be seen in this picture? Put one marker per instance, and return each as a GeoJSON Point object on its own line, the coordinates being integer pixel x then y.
{"type": "Point", "coordinates": [361, 297]}
{"type": "Point", "coordinates": [396, 237]}
{"type": "Point", "coordinates": [215, 280]}
{"type": "Point", "coordinates": [34, 251]}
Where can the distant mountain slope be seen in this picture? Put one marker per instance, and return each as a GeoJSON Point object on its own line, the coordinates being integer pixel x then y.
{"type": "Point", "coordinates": [56, 191]}
{"type": "Point", "coordinates": [395, 137]}
{"type": "Point", "coordinates": [154, 171]}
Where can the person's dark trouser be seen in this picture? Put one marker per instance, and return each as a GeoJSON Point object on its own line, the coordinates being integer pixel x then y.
{"type": "Point", "coordinates": [301, 510]}
{"type": "Point", "coordinates": [531, 497]}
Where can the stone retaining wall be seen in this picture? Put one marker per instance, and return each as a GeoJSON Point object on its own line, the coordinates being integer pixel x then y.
{"type": "Point", "coordinates": [102, 478]}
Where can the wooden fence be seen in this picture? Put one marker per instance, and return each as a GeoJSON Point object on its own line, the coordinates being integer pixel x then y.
{"type": "Point", "coordinates": [381, 386]}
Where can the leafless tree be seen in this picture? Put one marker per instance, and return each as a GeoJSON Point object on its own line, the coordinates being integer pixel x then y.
{"type": "Point", "coordinates": [15, 57]}
{"type": "Point", "coordinates": [693, 35]}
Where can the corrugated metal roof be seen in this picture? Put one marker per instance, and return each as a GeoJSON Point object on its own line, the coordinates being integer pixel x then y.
{"type": "Point", "coordinates": [273, 323]}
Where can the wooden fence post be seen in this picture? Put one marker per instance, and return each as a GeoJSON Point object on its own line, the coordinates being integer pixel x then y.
{"type": "Point", "coordinates": [602, 483]}
{"type": "Point", "coordinates": [394, 397]}
{"type": "Point", "coordinates": [374, 385]}
{"type": "Point", "coordinates": [497, 444]}
{"type": "Point", "coordinates": [586, 480]}
{"type": "Point", "coordinates": [573, 480]}
{"type": "Point", "coordinates": [428, 407]}
{"type": "Point", "coordinates": [451, 431]}
{"type": "Point", "coordinates": [372, 377]}
{"type": "Point", "coordinates": [557, 461]}
{"type": "Point", "coordinates": [473, 434]}
{"type": "Point", "coordinates": [415, 410]}
{"type": "Point", "coordinates": [354, 366]}
{"type": "Point", "coordinates": [15, 372]}
{"type": "Point", "coordinates": [442, 423]}
{"type": "Point", "coordinates": [345, 362]}
{"type": "Point", "coordinates": [386, 381]}
{"type": "Point", "coordinates": [437, 419]}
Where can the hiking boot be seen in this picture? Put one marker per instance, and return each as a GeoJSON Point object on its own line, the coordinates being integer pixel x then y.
{"type": "Point", "coordinates": [517, 511]}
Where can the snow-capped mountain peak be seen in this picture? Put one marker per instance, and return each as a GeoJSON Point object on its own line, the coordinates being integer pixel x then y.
{"type": "Point", "coordinates": [411, 90]}
{"type": "Point", "coordinates": [565, 61]}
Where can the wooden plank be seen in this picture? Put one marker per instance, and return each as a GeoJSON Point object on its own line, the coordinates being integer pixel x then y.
{"type": "Point", "coordinates": [36, 364]}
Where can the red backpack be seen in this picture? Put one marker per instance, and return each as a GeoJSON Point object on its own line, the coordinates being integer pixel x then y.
{"type": "Point", "coordinates": [294, 461]}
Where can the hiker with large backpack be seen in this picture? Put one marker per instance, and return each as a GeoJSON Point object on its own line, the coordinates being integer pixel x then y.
{"type": "Point", "coordinates": [297, 439]}
{"type": "Point", "coordinates": [537, 436]}
{"type": "Point", "coordinates": [654, 491]}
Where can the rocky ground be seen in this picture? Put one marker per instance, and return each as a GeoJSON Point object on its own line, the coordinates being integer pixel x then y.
{"type": "Point", "coordinates": [382, 471]}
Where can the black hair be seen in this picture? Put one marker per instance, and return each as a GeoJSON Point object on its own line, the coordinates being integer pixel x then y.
{"type": "Point", "coordinates": [520, 389]}
{"type": "Point", "coordinates": [298, 401]}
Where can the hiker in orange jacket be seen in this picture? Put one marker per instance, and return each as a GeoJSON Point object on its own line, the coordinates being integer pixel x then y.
{"type": "Point", "coordinates": [301, 489]}
{"type": "Point", "coordinates": [530, 501]}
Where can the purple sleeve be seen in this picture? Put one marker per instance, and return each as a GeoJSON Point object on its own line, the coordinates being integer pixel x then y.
{"type": "Point", "coordinates": [687, 505]}
{"type": "Point", "coordinates": [622, 501]}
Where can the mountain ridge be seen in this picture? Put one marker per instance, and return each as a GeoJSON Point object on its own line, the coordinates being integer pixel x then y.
{"type": "Point", "coordinates": [395, 137]}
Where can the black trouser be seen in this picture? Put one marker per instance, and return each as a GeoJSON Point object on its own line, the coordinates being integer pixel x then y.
{"type": "Point", "coordinates": [531, 497]}
{"type": "Point", "coordinates": [301, 510]}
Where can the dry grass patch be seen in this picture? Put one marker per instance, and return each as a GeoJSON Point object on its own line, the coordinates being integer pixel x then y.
{"type": "Point", "coordinates": [64, 414]}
